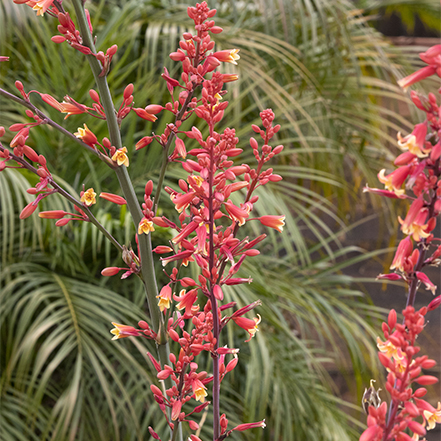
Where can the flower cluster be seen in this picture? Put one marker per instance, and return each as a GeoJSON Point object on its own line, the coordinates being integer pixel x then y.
{"type": "Point", "coordinates": [417, 179]}
{"type": "Point", "coordinates": [209, 219]}
{"type": "Point", "coordinates": [398, 354]}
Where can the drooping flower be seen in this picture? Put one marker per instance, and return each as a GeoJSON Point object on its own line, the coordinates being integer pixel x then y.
{"type": "Point", "coordinates": [120, 157]}
{"type": "Point", "coordinates": [199, 390]}
{"type": "Point", "coordinates": [164, 298]}
{"type": "Point", "coordinates": [88, 197]}
{"type": "Point", "coordinates": [250, 325]}
{"type": "Point", "coordinates": [404, 251]}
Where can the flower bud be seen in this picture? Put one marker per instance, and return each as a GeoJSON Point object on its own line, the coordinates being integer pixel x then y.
{"type": "Point", "coordinates": [28, 210]}
{"type": "Point", "coordinates": [110, 271]}
{"type": "Point", "coordinates": [113, 198]}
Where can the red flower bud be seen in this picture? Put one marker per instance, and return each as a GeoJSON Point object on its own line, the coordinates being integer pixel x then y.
{"type": "Point", "coordinates": [28, 210]}
{"type": "Point", "coordinates": [426, 380]}
{"type": "Point", "coordinates": [110, 271]}
{"type": "Point", "coordinates": [55, 214]}
{"type": "Point", "coordinates": [113, 198]}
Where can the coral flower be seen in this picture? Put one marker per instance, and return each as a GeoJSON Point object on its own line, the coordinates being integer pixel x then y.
{"type": "Point", "coordinates": [120, 157]}
{"type": "Point", "coordinates": [86, 135]}
{"type": "Point", "coordinates": [164, 298]}
{"type": "Point", "coordinates": [433, 58]}
{"type": "Point", "coordinates": [433, 417]}
{"type": "Point", "coordinates": [121, 331]}
{"type": "Point", "coordinates": [199, 390]}
{"type": "Point", "coordinates": [414, 223]}
{"type": "Point", "coordinates": [389, 349]}
{"type": "Point", "coordinates": [404, 251]}
{"type": "Point", "coordinates": [42, 6]}
{"type": "Point", "coordinates": [236, 214]}
{"type": "Point", "coordinates": [88, 197]}
{"type": "Point", "coordinates": [228, 56]}
{"type": "Point", "coordinates": [71, 109]}
{"type": "Point", "coordinates": [276, 222]}
{"type": "Point", "coordinates": [414, 143]}
{"type": "Point", "coordinates": [145, 226]}
{"type": "Point", "coordinates": [395, 180]}
{"type": "Point", "coordinates": [249, 325]}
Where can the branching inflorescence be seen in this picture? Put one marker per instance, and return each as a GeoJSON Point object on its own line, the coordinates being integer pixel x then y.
{"type": "Point", "coordinates": [206, 231]}
{"type": "Point", "coordinates": [418, 169]}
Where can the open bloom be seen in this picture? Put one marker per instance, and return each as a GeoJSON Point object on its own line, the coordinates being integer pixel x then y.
{"type": "Point", "coordinates": [86, 135]}
{"type": "Point", "coordinates": [120, 157]}
{"type": "Point", "coordinates": [403, 252]}
{"type": "Point", "coordinates": [121, 331]}
{"type": "Point", "coordinates": [249, 325]}
{"type": "Point", "coordinates": [145, 226]}
{"type": "Point", "coordinates": [414, 143]}
{"type": "Point", "coordinates": [164, 298]}
{"type": "Point", "coordinates": [414, 223]}
{"type": "Point", "coordinates": [228, 56]}
{"type": "Point", "coordinates": [199, 390]}
{"type": "Point", "coordinates": [395, 180]}
{"type": "Point", "coordinates": [88, 197]}
{"type": "Point", "coordinates": [433, 417]}
{"type": "Point", "coordinates": [236, 214]}
{"type": "Point", "coordinates": [41, 6]}
{"type": "Point", "coordinates": [276, 222]}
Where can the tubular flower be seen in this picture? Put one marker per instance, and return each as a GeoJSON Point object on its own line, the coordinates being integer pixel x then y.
{"type": "Point", "coordinates": [121, 331]}
{"type": "Point", "coordinates": [249, 325]}
{"type": "Point", "coordinates": [433, 58]}
{"type": "Point", "coordinates": [389, 350]}
{"type": "Point", "coordinates": [164, 298]}
{"type": "Point", "coordinates": [70, 109]}
{"type": "Point", "coordinates": [414, 223]}
{"type": "Point", "coordinates": [88, 197]}
{"type": "Point", "coordinates": [199, 390]}
{"type": "Point", "coordinates": [145, 226]}
{"type": "Point", "coordinates": [414, 143]}
{"type": "Point", "coordinates": [395, 180]}
{"type": "Point", "coordinates": [236, 214]}
{"type": "Point", "coordinates": [186, 300]}
{"type": "Point", "coordinates": [86, 135]}
{"type": "Point", "coordinates": [120, 157]}
{"type": "Point", "coordinates": [404, 251]}
{"type": "Point", "coordinates": [228, 56]}
{"type": "Point", "coordinates": [276, 222]}
{"type": "Point", "coordinates": [42, 6]}
{"type": "Point", "coordinates": [433, 417]}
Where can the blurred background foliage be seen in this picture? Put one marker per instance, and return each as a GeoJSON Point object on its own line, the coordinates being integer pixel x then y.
{"type": "Point", "coordinates": [330, 77]}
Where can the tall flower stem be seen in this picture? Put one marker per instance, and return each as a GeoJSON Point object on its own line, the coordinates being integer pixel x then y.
{"type": "Point", "coordinates": [145, 246]}
{"type": "Point", "coordinates": [166, 150]}
{"type": "Point", "coordinates": [214, 307]}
